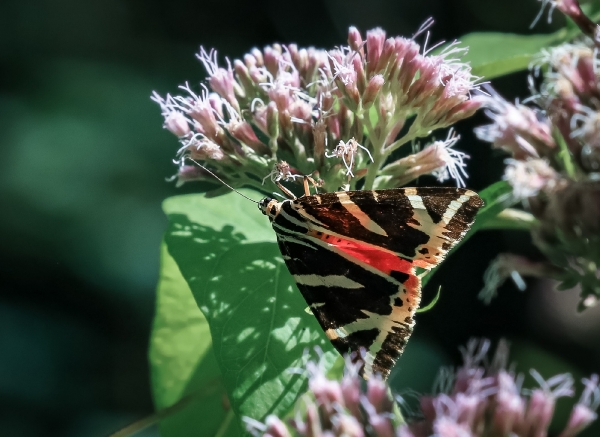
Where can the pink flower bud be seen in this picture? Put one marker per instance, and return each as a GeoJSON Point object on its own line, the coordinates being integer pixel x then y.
{"type": "Point", "coordinates": [446, 427]}
{"type": "Point", "coordinates": [202, 149]}
{"type": "Point", "coordinates": [249, 61]}
{"type": "Point", "coordinates": [355, 39]}
{"type": "Point", "coordinates": [469, 409]}
{"type": "Point", "coordinates": [372, 91]}
{"type": "Point", "coordinates": [243, 75]}
{"type": "Point", "coordinates": [539, 413]}
{"type": "Point", "coordinates": [216, 104]}
{"type": "Point", "coordinates": [275, 427]}
{"type": "Point", "coordinates": [281, 96]}
{"type": "Point", "coordinates": [177, 124]}
{"type": "Point", "coordinates": [272, 120]}
{"type": "Point", "coordinates": [516, 129]}
{"type": "Point", "coordinates": [377, 395]}
{"type": "Point", "coordinates": [272, 58]}
{"type": "Point", "coordinates": [189, 173]}
{"type": "Point", "coordinates": [375, 40]}
{"type": "Point", "coordinates": [361, 78]}
{"type": "Point", "coordinates": [509, 408]}
{"type": "Point", "coordinates": [327, 392]}
{"type": "Point", "coordinates": [387, 55]}
{"type": "Point", "coordinates": [315, 60]}
{"type": "Point", "coordinates": [258, 56]}
{"type": "Point", "coordinates": [346, 425]}
{"type": "Point", "coordinates": [529, 177]}
{"type": "Point", "coordinates": [583, 413]}
{"type": "Point", "coordinates": [427, 407]}
{"type": "Point", "coordinates": [242, 131]}
{"type": "Point", "coordinates": [202, 112]}
{"type": "Point", "coordinates": [572, 9]}
{"type": "Point", "coordinates": [581, 417]}
{"type": "Point", "coordinates": [222, 82]}
{"type": "Point", "coordinates": [351, 393]}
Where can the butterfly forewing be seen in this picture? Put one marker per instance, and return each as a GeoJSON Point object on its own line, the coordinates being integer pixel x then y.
{"type": "Point", "coordinates": [353, 255]}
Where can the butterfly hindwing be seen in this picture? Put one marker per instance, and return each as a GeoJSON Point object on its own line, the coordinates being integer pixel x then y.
{"type": "Point", "coordinates": [353, 255]}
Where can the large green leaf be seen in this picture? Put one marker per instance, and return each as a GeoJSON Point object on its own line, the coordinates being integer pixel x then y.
{"type": "Point", "coordinates": [493, 54]}
{"type": "Point", "coordinates": [227, 253]}
{"type": "Point", "coordinates": [185, 374]}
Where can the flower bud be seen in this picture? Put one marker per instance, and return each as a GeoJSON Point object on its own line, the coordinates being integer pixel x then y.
{"type": "Point", "coordinates": [243, 76]}
{"type": "Point", "coordinates": [509, 408]}
{"type": "Point", "coordinates": [517, 130]}
{"type": "Point", "coordinates": [387, 55]}
{"type": "Point", "coordinates": [272, 58]}
{"type": "Point", "coordinates": [361, 78]}
{"type": "Point", "coordinates": [581, 417]}
{"type": "Point", "coordinates": [375, 40]}
{"type": "Point", "coordinates": [202, 149]}
{"type": "Point", "coordinates": [249, 61]}
{"type": "Point", "coordinates": [528, 178]}
{"type": "Point", "coordinates": [258, 56]}
{"type": "Point", "coordinates": [275, 427]}
{"type": "Point", "coordinates": [355, 39]}
{"type": "Point", "coordinates": [377, 395]}
{"type": "Point", "coordinates": [572, 9]}
{"type": "Point", "coordinates": [177, 124]}
{"type": "Point", "coordinates": [243, 132]}
{"type": "Point", "coordinates": [347, 426]}
{"type": "Point", "coordinates": [272, 120]}
{"type": "Point", "coordinates": [372, 91]}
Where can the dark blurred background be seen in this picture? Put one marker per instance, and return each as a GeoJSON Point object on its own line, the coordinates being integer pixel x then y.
{"type": "Point", "coordinates": [82, 177]}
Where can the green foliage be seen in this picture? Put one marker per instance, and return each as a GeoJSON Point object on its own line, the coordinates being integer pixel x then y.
{"type": "Point", "coordinates": [226, 252]}
{"type": "Point", "coordinates": [494, 54]}
{"type": "Point", "coordinates": [183, 365]}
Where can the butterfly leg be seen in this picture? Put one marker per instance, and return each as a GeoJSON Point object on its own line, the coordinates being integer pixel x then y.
{"type": "Point", "coordinates": [314, 183]}
{"type": "Point", "coordinates": [286, 191]}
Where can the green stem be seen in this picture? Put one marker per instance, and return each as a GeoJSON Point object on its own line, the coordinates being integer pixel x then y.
{"type": "Point", "coordinates": [378, 156]}
{"type": "Point", "coordinates": [153, 419]}
{"type": "Point", "coordinates": [409, 136]}
{"type": "Point", "coordinates": [565, 157]}
{"type": "Point", "coordinates": [225, 425]}
{"type": "Point", "coordinates": [510, 218]}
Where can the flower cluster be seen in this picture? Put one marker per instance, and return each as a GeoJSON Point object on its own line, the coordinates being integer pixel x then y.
{"type": "Point", "coordinates": [482, 398]}
{"type": "Point", "coordinates": [555, 164]}
{"type": "Point", "coordinates": [336, 408]}
{"type": "Point", "coordinates": [335, 115]}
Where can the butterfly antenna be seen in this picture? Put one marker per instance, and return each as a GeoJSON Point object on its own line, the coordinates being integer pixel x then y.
{"type": "Point", "coordinates": [219, 179]}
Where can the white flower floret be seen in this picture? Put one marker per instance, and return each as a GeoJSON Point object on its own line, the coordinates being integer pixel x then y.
{"type": "Point", "coordinates": [347, 151]}
{"type": "Point", "coordinates": [454, 160]}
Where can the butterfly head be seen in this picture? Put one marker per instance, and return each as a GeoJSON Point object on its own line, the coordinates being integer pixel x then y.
{"type": "Point", "coordinates": [269, 207]}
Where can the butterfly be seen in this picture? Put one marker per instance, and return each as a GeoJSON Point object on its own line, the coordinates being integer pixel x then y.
{"type": "Point", "coordinates": [354, 256]}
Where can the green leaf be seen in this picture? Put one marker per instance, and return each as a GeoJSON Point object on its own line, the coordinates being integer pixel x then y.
{"type": "Point", "coordinates": [183, 366]}
{"type": "Point", "coordinates": [493, 54]}
{"type": "Point", "coordinates": [496, 198]}
{"type": "Point", "coordinates": [226, 251]}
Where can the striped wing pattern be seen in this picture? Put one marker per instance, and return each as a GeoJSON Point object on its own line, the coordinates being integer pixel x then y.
{"type": "Point", "coordinates": [353, 255]}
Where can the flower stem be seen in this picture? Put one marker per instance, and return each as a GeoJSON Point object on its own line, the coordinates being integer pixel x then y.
{"type": "Point", "coordinates": [153, 419]}
{"type": "Point", "coordinates": [511, 218]}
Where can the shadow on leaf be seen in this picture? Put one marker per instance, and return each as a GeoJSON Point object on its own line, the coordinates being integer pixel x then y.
{"type": "Point", "coordinates": [257, 320]}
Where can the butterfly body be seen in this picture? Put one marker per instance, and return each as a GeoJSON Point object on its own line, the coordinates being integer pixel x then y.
{"type": "Point", "coordinates": [354, 254]}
